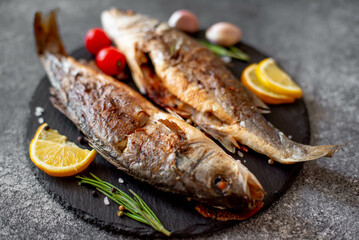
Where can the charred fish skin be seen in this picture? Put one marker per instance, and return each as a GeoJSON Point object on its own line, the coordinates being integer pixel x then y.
{"type": "Point", "coordinates": [189, 79]}
{"type": "Point", "coordinates": [139, 139]}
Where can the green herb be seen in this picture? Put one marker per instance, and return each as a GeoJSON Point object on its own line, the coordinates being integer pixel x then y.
{"type": "Point", "coordinates": [172, 50]}
{"type": "Point", "coordinates": [232, 52]}
{"type": "Point", "coordinates": [239, 53]}
{"type": "Point", "coordinates": [135, 207]}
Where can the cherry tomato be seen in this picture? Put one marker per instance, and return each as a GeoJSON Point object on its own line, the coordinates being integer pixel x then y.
{"type": "Point", "coordinates": [110, 61]}
{"type": "Point", "coordinates": [95, 40]}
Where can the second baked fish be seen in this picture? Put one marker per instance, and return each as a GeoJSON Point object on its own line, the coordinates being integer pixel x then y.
{"type": "Point", "coordinates": [181, 75]}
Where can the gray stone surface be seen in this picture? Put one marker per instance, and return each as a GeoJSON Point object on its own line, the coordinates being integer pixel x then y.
{"type": "Point", "coordinates": [317, 42]}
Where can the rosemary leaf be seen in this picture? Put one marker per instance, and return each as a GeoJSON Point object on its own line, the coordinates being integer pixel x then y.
{"type": "Point", "coordinates": [144, 205]}
{"type": "Point", "coordinates": [135, 217]}
{"type": "Point", "coordinates": [239, 53]}
{"type": "Point", "coordinates": [232, 52]}
{"type": "Point", "coordinates": [135, 207]}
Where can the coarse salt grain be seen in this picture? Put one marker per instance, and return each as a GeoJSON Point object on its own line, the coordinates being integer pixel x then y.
{"type": "Point", "coordinates": [226, 59]}
{"type": "Point", "coordinates": [242, 124]}
{"type": "Point", "coordinates": [120, 180]}
{"type": "Point", "coordinates": [106, 201]}
{"type": "Point", "coordinates": [290, 136]}
{"type": "Point", "coordinates": [39, 109]}
{"type": "Point", "coordinates": [40, 120]}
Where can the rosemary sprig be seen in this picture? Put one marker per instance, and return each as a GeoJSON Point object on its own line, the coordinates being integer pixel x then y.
{"type": "Point", "coordinates": [232, 52]}
{"type": "Point", "coordinates": [135, 207]}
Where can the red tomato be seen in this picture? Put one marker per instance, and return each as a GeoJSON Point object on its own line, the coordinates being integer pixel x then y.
{"type": "Point", "coordinates": [110, 61]}
{"type": "Point", "coordinates": [95, 40]}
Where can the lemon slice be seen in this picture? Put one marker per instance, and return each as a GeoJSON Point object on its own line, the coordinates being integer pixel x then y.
{"type": "Point", "coordinates": [276, 79]}
{"type": "Point", "coordinates": [250, 80]}
{"type": "Point", "coordinates": [53, 154]}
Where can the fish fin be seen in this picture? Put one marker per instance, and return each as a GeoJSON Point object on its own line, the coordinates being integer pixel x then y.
{"type": "Point", "coordinates": [263, 110]}
{"type": "Point", "coordinates": [47, 34]}
{"type": "Point", "coordinates": [261, 106]}
{"type": "Point", "coordinates": [174, 127]}
{"type": "Point", "coordinates": [227, 141]}
{"type": "Point", "coordinates": [106, 155]}
{"type": "Point", "coordinates": [173, 113]}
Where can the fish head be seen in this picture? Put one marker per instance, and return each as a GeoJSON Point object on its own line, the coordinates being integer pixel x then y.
{"type": "Point", "coordinates": [217, 179]}
{"type": "Point", "coordinates": [131, 33]}
{"type": "Point", "coordinates": [116, 22]}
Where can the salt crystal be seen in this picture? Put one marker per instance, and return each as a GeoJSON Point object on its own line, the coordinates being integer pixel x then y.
{"type": "Point", "coordinates": [40, 120]}
{"type": "Point", "coordinates": [106, 201]}
{"type": "Point", "coordinates": [120, 180]}
{"type": "Point", "coordinates": [39, 109]}
{"type": "Point", "coordinates": [244, 161]}
{"type": "Point", "coordinates": [242, 124]}
{"type": "Point", "coordinates": [290, 136]}
{"type": "Point", "coordinates": [226, 59]}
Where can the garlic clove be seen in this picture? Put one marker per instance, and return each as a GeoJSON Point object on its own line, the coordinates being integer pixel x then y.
{"type": "Point", "coordinates": [184, 20]}
{"type": "Point", "coordinates": [224, 34]}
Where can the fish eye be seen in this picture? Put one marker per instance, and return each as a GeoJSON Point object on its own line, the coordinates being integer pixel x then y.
{"type": "Point", "coordinates": [221, 183]}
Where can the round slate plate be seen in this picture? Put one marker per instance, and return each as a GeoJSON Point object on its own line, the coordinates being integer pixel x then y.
{"type": "Point", "coordinates": [176, 213]}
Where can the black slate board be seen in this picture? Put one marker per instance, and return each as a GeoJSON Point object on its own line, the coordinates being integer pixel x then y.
{"type": "Point", "coordinates": [176, 213]}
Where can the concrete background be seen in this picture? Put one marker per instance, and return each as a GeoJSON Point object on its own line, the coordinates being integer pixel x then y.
{"type": "Point", "coordinates": [317, 42]}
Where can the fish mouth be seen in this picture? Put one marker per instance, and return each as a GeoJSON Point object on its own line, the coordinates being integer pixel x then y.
{"type": "Point", "coordinates": [249, 200]}
{"type": "Point", "coordinates": [241, 209]}
{"type": "Point", "coordinates": [226, 214]}
{"type": "Point", "coordinates": [256, 191]}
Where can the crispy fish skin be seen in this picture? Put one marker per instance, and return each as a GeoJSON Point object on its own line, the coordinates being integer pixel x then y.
{"type": "Point", "coordinates": [189, 79]}
{"type": "Point", "coordinates": [138, 138]}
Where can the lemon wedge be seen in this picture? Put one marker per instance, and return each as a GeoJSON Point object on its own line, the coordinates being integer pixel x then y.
{"type": "Point", "coordinates": [276, 79]}
{"type": "Point", "coordinates": [53, 154]}
{"type": "Point", "coordinates": [250, 80]}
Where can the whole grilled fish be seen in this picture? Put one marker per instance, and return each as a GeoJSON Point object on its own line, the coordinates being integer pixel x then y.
{"type": "Point", "coordinates": [181, 75]}
{"type": "Point", "coordinates": [138, 138]}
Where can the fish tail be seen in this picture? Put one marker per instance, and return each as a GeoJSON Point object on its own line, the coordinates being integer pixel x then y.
{"type": "Point", "coordinates": [47, 35]}
{"type": "Point", "coordinates": [310, 153]}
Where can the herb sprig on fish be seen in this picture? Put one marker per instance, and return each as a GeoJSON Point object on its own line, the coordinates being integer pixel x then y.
{"type": "Point", "coordinates": [232, 52]}
{"type": "Point", "coordinates": [135, 207]}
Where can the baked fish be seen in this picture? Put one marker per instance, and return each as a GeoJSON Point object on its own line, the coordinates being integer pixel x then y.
{"type": "Point", "coordinates": [181, 75]}
{"type": "Point", "coordinates": [139, 139]}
